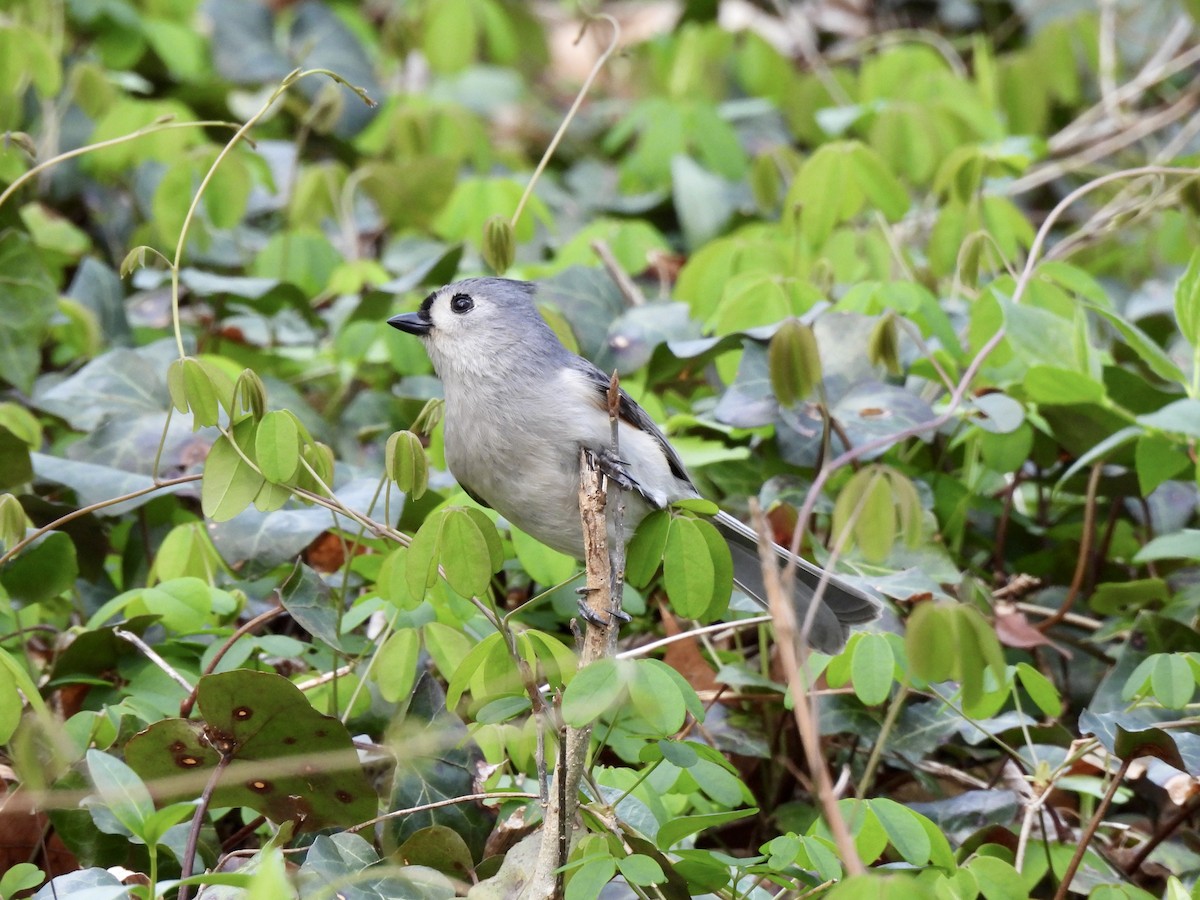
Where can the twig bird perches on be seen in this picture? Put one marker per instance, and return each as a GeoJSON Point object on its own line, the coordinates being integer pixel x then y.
{"type": "Point", "coordinates": [519, 409]}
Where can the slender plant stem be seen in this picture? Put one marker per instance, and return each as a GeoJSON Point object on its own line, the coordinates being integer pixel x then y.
{"type": "Point", "coordinates": [153, 128]}
{"type": "Point", "coordinates": [1090, 831]}
{"type": "Point", "coordinates": [562, 128]}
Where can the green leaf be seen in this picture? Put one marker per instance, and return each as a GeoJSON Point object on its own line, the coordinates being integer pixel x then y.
{"type": "Point", "coordinates": [589, 879]}
{"type": "Point", "coordinates": [825, 191]}
{"type": "Point", "coordinates": [545, 566]}
{"type": "Point", "coordinates": [872, 669]}
{"type": "Point", "coordinates": [395, 667]}
{"type": "Point", "coordinates": [1184, 544]}
{"type": "Point", "coordinates": [464, 554]}
{"type": "Point", "coordinates": [882, 188]}
{"type": "Point", "coordinates": [200, 393]}
{"type": "Point", "coordinates": [1187, 301]}
{"type": "Point", "coordinates": [20, 877]}
{"type": "Point", "coordinates": [641, 869]}
{"type": "Point", "coordinates": [1041, 690]}
{"type": "Point", "coordinates": [1155, 358]}
{"type": "Point", "coordinates": [28, 300]}
{"type": "Point", "coordinates": [997, 879]}
{"type": "Point", "coordinates": [1180, 417]}
{"type": "Point", "coordinates": [656, 697]}
{"type": "Point", "coordinates": [461, 673]}
{"type": "Point", "coordinates": [594, 690]}
{"type": "Point", "coordinates": [43, 570]}
{"type": "Point", "coordinates": [931, 641]}
{"type": "Point", "coordinates": [121, 791]}
{"type": "Point", "coordinates": [230, 483]}
{"type": "Point", "coordinates": [1158, 459]}
{"type": "Point", "coordinates": [904, 830]}
{"type": "Point", "coordinates": [1053, 384]}
{"type": "Point", "coordinates": [688, 571]}
{"type": "Point", "coordinates": [680, 827]}
{"type": "Point", "coordinates": [16, 465]}
{"type": "Point", "coordinates": [421, 569]}
{"type": "Point", "coordinates": [645, 552]}
{"type": "Point", "coordinates": [1172, 680]}
{"type": "Point", "coordinates": [277, 446]}
{"type": "Point", "coordinates": [448, 646]}
{"type": "Point", "coordinates": [722, 561]}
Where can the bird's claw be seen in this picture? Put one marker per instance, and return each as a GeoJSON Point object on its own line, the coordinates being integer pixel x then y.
{"type": "Point", "coordinates": [612, 467]}
{"type": "Point", "coordinates": [592, 617]}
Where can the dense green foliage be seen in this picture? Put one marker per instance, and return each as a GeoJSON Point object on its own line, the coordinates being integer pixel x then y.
{"type": "Point", "coordinates": [931, 295]}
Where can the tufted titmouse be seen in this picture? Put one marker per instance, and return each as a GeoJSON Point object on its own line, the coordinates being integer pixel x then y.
{"type": "Point", "coordinates": [519, 408]}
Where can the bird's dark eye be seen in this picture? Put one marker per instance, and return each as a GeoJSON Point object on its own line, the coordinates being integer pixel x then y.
{"type": "Point", "coordinates": [461, 303]}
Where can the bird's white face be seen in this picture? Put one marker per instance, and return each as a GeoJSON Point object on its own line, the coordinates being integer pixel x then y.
{"type": "Point", "coordinates": [473, 328]}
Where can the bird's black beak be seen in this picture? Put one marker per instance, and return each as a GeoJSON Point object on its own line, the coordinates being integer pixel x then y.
{"type": "Point", "coordinates": [413, 323]}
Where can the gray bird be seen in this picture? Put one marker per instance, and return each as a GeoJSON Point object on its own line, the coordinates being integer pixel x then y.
{"type": "Point", "coordinates": [519, 408]}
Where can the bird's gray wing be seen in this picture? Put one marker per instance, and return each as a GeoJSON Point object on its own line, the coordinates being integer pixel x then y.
{"type": "Point", "coordinates": [634, 416]}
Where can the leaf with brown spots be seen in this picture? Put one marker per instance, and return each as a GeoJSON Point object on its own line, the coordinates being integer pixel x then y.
{"type": "Point", "coordinates": [285, 759]}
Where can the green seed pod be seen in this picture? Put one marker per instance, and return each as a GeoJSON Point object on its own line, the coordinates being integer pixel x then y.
{"type": "Point", "coordinates": [793, 362]}
{"type": "Point", "coordinates": [883, 347]}
{"type": "Point", "coordinates": [407, 464]}
{"type": "Point", "coordinates": [12, 521]}
{"type": "Point", "coordinates": [250, 393]}
{"type": "Point", "coordinates": [766, 183]}
{"type": "Point", "coordinates": [499, 244]}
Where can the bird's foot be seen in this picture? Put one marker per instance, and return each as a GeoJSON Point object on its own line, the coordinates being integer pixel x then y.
{"type": "Point", "coordinates": [592, 617]}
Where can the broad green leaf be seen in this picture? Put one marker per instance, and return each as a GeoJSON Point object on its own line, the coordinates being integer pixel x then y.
{"type": "Point", "coordinates": [545, 566]}
{"type": "Point", "coordinates": [641, 869]}
{"type": "Point", "coordinates": [1041, 690]}
{"type": "Point", "coordinates": [20, 877]}
{"type": "Point", "coordinates": [589, 879]}
{"type": "Point", "coordinates": [825, 191]}
{"type": "Point", "coordinates": [464, 554]}
{"type": "Point", "coordinates": [27, 303]}
{"type": "Point", "coordinates": [875, 525]}
{"type": "Point", "coordinates": [680, 827]}
{"type": "Point", "coordinates": [1053, 384]}
{"type": "Point", "coordinates": [11, 704]}
{"type": "Point", "coordinates": [872, 669]}
{"type": "Point", "coordinates": [1158, 459]}
{"type": "Point", "coordinates": [1187, 301]}
{"type": "Point", "coordinates": [688, 571]}
{"type": "Point", "coordinates": [1155, 358]}
{"type": "Point", "coordinates": [420, 570]}
{"type": "Point", "coordinates": [904, 829]}
{"type": "Point", "coordinates": [722, 561]}
{"type": "Point", "coordinates": [1183, 544]}
{"type": "Point", "coordinates": [395, 668]}
{"type": "Point", "coordinates": [656, 698]}
{"type": "Point", "coordinates": [448, 646]}
{"type": "Point", "coordinates": [1180, 417]}
{"type": "Point", "coordinates": [200, 393]}
{"type": "Point", "coordinates": [230, 484]}
{"type": "Point", "coordinates": [1172, 680]}
{"type": "Point", "coordinates": [931, 641]}
{"type": "Point", "coordinates": [883, 189]}
{"type": "Point", "coordinates": [121, 791]}
{"type": "Point", "coordinates": [594, 690]}
{"type": "Point", "coordinates": [645, 552]}
{"type": "Point", "coordinates": [277, 446]}
{"type": "Point", "coordinates": [460, 674]}
{"type": "Point", "coordinates": [997, 879]}
{"type": "Point", "coordinates": [44, 569]}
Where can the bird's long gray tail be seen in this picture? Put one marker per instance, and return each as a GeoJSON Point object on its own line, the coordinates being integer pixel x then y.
{"type": "Point", "coordinates": [841, 604]}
